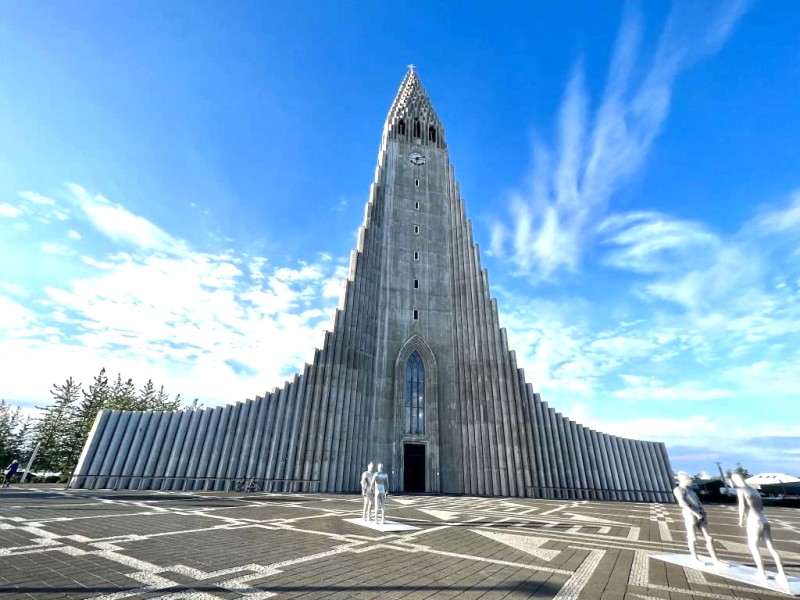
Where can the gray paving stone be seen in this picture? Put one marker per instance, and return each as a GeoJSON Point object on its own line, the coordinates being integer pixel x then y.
{"type": "Point", "coordinates": [120, 546]}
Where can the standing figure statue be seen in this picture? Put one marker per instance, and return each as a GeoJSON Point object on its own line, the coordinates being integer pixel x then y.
{"type": "Point", "coordinates": [694, 517]}
{"type": "Point", "coordinates": [380, 486]}
{"type": "Point", "coordinates": [366, 491]}
{"type": "Point", "coordinates": [758, 527]}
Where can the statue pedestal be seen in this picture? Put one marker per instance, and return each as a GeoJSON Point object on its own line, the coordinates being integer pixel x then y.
{"type": "Point", "coordinates": [386, 527]}
{"type": "Point", "coordinates": [735, 571]}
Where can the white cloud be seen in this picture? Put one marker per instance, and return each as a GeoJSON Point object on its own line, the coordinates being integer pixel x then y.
{"type": "Point", "coordinates": [649, 242]}
{"type": "Point", "coordinates": [119, 224]}
{"type": "Point", "coordinates": [781, 220]}
{"type": "Point", "coordinates": [696, 428]}
{"type": "Point", "coordinates": [571, 188]}
{"type": "Point", "coordinates": [219, 326]}
{"type": "Point", "coordinates": [625, 346]}
{"type": "Point", "coordinates": [52, 248]}
{"type": "Point", "coordinates": [9, 211]}
{"type": "Point", "coordinates": [74, 235]}
{"type": "Point", "coordinates": [37, 198]}
{"type": "Point", "coordinates": [643, 388]}
{"type": "Point", "coordinates": [13, 316]}
{"type": "Point", "coordinates": [177, 321]}
{"type": "Point", "coordinates": [14, 289]}
{"type": "Point", "coordinates": [305, 273]}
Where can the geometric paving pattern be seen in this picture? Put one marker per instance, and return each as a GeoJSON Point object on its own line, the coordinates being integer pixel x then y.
{"type": "Point", "coordinates": [226, 546]}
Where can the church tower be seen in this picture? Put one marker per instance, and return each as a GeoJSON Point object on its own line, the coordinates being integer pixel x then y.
{"type": "Point", "coordinates": [416, 373]}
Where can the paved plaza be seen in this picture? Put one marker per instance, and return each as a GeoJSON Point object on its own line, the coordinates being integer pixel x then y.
{"type": "Point", "coordinates": [204, 546]}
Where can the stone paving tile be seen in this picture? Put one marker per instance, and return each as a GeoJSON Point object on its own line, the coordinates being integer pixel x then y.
{"type": "Point", "coordinates": [132, 523]}
{"type": "Point", "coordinates": [205, 546]}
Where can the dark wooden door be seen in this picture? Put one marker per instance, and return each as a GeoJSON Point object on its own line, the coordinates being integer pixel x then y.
{"type": "Point", "coordinates": [414, 467]}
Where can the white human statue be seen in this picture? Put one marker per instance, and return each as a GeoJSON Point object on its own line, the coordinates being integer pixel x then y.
{"type": "Point", "coordinates": [380, 486]}
{"type": "Point", "coordinates": [366, 491]}
{"type": "Point", "coordinates": [694, 517]}
{"type": "Point", "coordinates": [758, 527]}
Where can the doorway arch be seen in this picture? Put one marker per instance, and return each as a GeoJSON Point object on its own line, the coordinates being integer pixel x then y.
{"type": "Point", "coordinates": [417, 446]}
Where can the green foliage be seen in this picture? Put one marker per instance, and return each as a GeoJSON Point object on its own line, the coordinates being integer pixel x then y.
{"type": "Point", "coordinates": [13, 430]}
{"type": "Point", "coordinates": [738, 469]}
{"type": "Point", "coordinates": [55, 428]}
{"type": "Point", "coordinates": [64, 425]}
{"type": "Point", "coordinates": [122, 396]}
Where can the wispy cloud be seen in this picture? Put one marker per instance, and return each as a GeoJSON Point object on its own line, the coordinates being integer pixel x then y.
{"type": "Point", "coordinates": [649, 242]}
{"type": "Point", "coordinates": [121, 225]}
{"type": "Point", "coordinates": [569, 190]}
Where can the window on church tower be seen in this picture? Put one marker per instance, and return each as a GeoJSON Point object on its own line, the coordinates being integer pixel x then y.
{"type": "Point", "coordinates": [432, 135]}
{"type": "Point", "coordinates": [401, 127]}
{"type": "Point", "coordinates": [417, 129]}
{"type": "Point", "coordinates": [414, 406]}
{"type": "Point", "coordinates": [416, 229]}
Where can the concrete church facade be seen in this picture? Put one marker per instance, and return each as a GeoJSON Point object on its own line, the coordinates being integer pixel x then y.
{"type": "Point", "coordinates": [416, 373]}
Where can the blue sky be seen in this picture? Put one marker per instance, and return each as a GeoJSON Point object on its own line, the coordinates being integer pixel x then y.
{"type": "Point", "coordinates": [181, 185]}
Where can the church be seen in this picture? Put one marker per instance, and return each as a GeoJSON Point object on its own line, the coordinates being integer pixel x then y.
{"type": "Point", "coordinates": [415, 373]}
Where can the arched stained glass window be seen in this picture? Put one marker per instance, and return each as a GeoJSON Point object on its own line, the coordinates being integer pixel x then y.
{"type": "Point", "coordinates": [414, 407]}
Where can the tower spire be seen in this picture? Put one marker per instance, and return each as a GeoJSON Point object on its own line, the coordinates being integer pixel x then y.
{"type": "Point", "coordinates": [413, 105]}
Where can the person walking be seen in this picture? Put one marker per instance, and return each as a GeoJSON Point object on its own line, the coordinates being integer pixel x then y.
{"type": "Point", "coordinates": [11, 470]}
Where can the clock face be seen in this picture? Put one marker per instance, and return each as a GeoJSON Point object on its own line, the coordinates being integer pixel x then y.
{"type": "Point", "coordinates": [417, 158]}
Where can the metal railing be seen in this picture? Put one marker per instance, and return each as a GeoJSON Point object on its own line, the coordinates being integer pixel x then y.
{"type": "Point", "coordinates": [93, 481]}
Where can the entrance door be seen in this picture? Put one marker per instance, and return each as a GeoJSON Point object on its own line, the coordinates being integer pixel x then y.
{"type": "Point", "coordinates": [414, 467]}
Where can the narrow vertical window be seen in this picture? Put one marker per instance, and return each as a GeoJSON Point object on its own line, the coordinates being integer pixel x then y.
{"type": "Point", "coordinates": [417, 129]}
{"type": "Point", "coordinates": [432, 135]}
{"type": "Point", "coordinates": [416, 255]}
{"type": "Point", "coordinates": [401, 127]}
{"type": "Point", "coordinates": [416, 205]}
{"type": "Point", "coordinates": [416, 183]}
{"type": "Point", "coordinates": [416, 315]}
{"type": "Point", "coordinates": [416, 284]}
{"type": "Point", "coordinates": [416, 229]}
{"type": "Point", "coordinates": [414, 405]}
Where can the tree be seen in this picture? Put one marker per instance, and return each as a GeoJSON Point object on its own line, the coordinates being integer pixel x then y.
{"type": "Point", "coordinates": [195, 404]}
{"type": "Point", "coordinates": [95, 399]}
{"type": "Point", "coordinates": [738, 469]}
{"type": "Point", "coordinates": [10, 438]}
{"type": "Point", "coordinates": [56, 430]}
{"type": "Point", "coordinates": [83, 418]}
{"type": "Point", "coordinates": [122, 396]}
{"type": "Point", "coordinates": [61, 431]}
{"type": "Point", "coordinates": [148, 396]}
{"type": "Point", "coordinates": [162, 401]}
{"type": "Point", "coordinates": [27, 439]}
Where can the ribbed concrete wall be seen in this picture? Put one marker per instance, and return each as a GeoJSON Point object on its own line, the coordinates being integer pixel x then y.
{"type": "Point", "coordinates": [486, 431]}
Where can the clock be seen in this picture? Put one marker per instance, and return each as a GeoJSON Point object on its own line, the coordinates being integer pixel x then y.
{"type": "Point", "coordinates": [417, 158]}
